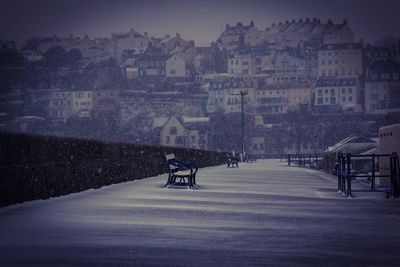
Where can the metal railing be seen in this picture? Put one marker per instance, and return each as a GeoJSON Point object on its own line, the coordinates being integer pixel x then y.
{"type": "Point", "coordinates": [346, 173]}
{"type": "Point", "coordinates": [304, 160]}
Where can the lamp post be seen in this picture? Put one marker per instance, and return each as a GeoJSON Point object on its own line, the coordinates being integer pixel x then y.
{"type": "Point", "coordinates": [242, 94]}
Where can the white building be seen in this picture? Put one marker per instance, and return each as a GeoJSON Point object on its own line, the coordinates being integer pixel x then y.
{"type": "Point", "coordinates": [290, 66]}
{"type": "Point", "coordinates": [299, 96]}
{"type": "Point", "coordinates": [234, 35]}
{"type": "Point", "coordinates": [254, 37]}
{"type": "Point", "coordinates": [257, 145]}
{"type": "Point", "coordinates": [224, 94]}
{"type": "Point", "coordinates": [382, 90]}
{"type": "Point", "coordinates": [82, 103]}
{"type": "Point", "coordinates": [169, 43]}
{"type": "Point", "coordinates": [130, 68]}
{"type": "Point", "coordinates": [241, 65]}
{"type": "Point", "coordinates": [131, 42]}
{"type": "Point", "coordinates": [341, 60]}
{"type": "Point", "coordinates": [336, 95]}
{"type": "Point", "coordinates": [175, 66]}
{"type": "Point", "coordinates": [272, 99]}
{"type": "Point", "coordinates": [183, 131]}
{"type": "Point", "coordinates": [338, 34]}
{"type": "Point", "coordinates": [60, 105]}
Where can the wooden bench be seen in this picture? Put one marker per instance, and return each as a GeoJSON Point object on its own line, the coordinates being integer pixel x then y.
{"type": "Point", "coordinates": [232, 162]}
{"type": "Point", "coordinates": [180, 173]}
{"type": "Point", "coordinates": [250, 159]}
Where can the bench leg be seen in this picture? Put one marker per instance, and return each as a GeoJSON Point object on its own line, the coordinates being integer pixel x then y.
{"type": "Point", "coordinates": [168, 181]}
{"type": "Point", "coordinates": [190, 181]}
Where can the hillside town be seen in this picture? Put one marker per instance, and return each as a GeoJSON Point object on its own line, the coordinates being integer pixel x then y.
{"type": "Point", "coordinates": [309, 83]}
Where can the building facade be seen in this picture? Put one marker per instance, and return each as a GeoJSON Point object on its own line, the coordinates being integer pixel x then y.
{"type": "Point", "coordinates": [340, 60]}
{"type": "Point", "coordinates": [337, 95]}
{"type": "Point", "coordinates": [382, 90]}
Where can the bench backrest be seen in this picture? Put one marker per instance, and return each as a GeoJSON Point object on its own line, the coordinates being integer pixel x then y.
{"type": "Point", "coordinates": [171, 161]}
{"type": "Point", "coordinates": [169, 156]}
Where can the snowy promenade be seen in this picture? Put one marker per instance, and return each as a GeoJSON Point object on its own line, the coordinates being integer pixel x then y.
{"type": "Point", "coordinates": [262, 214]}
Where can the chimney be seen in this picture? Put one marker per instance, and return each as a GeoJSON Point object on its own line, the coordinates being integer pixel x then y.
{"type": "Point", "coordinates": [178, 35]}
{"type": "Point", "coordinates": [227, 27]}
{"type": "Point", "coordinates": [308, 20]}
{"type": "Point", "coordinates": [345, 22]}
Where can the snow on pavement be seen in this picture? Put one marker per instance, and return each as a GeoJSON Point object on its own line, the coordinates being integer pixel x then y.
{"type": "Point", "coordinates": [262, 214]}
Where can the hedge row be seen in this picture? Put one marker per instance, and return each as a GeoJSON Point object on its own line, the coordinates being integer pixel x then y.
{"type": "Point", "coordinates": [39, 167]}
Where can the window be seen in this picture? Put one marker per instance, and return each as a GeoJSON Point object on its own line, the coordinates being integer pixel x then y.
{"type": "Point", "coordinates": [179, 140]}
{"type": "Point", "coordinates": [173, 130]}
{"type": "Point", "coordinates": [350, 90]}
{"type": "Point", "coordinates": [172, 71]}
{"type": "Point", "coordinates": [167, 139]}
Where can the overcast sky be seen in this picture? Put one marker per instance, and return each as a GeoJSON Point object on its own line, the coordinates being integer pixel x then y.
{"type": "Point", "coordinates": [201, 20]}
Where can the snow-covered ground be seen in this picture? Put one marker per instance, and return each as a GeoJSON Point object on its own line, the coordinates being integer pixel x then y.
{"type": "Point", "coordinates": [262, 214]}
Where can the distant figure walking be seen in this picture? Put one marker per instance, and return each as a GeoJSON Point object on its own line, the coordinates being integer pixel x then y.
{"type": "Point", "coordinates": [232, 161]}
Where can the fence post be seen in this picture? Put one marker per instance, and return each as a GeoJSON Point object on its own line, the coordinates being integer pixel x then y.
{"type": "Point", "coordinates": [394, 168]}
{"type": "Point", "coordinates": [288, 159]}
{"type": "Point", "coordinates": [339, 172]}
{"type": "Point", "coordinates": [316, 161]}
{"type": "Point", "coordinates": [327, 163]}
{"type": "Point", "coordinates": [373, 173]}
{"type": "Point", "coordinates": [348, 176]}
